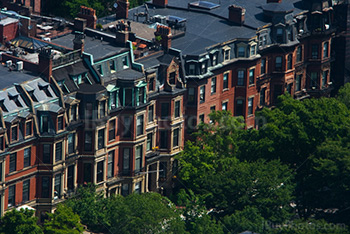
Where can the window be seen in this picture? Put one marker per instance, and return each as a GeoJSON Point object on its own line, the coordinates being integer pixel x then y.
{"type": "Point", "coordinates": [44, 124]}
{"type": "Point", "coordinates": [214, 60]}
{"type": "Point", "coordinates": [225, 81]}
{"type": "Point", "coordinates": [126, 160]}
{"type": "Point", "coordinates": [239, 107]}
{"type": "Point", "coordinates": [150, 113]}
{"type": "Point", "coordinates": [313, 81]}
{"type": "Point", "coordinates": [112, 100]}
{"type": "Point", "coordinates": [162, 169]}
{"type": "Point", "coordinates": [29, 128]}
{"type": "Point", "coordinates": [88, 141]}
{"type": "Point", "coordinates": [227, 54]}
{"type": "Point", "coordinates": [251, 76]}
{"type": "Point", "coordinates": [149, 141]}
{"type": "Point", "coordinates": [110, 164]}
{"type": "Point", "coordinates": [201, 118]}
{"type": "Point", "coordinates": [13, 162]}
{"type": "Point", "coordinates": [12, 196]}
{"type": "Point", "coordinates": [100, 139]}
{"type": "Point", "coordinates": [25, 191]}
{"type": "Point", "coordinates": [241, 51]}
{"type": "Point", "coordinates": [137, 187]}
{"type": "Point", "coordinates": [324, 78]}
{"type": "Point", "coordinates": [278, 63]}
{"type": "Point", "coordinates": [177, 109]}
{"type": "Point", "coordinates": [289, 88]}
{"type": "Point", "coordinates": [314, 51]}
{"type": "Point", "coordinates": [127, 126]}
{"type": "Point", "coordinates": [58, 153]}
{"type": "Point", "coordinates": [112, 66]}
{"type": "Point", "coordinates": [125, 189]}
{"type": "Point", "coordinates": [99, 173]}
{"type": "Point", "coordinates": [250, 106]}
{"type": "Point", "coordinates": [213, 85]}
{"type": "Point", "coordinates": [102, 109]}
{"type": "Point", "coordinates": [164, 110]}
{"type": "Point", "coordinates": [138, 158]}
{"type": "Point", "coordinates": [141, 96]}
{"type": "Point", "coordinates": [204, 68]}
{"type": "Point", "coordinates": [46, 153]}
{"type": "Point", "coordinates": [252, 50]}
{"type": "Point", "coordinates": [73, 113]}
{"type": "Point", "coordinates": [279, 35]}
{"type": "Point", "coordinates": [263, 66]}
{"type": "Point", "coordinates": [60, 123]}
{"type": "Point", "coordinates": [240, 80]}
{"type": "Point", "coordinates": [290, 62]}
{"type": "Point", "coordinates": [57, 188]}
{"type": "Point", "coordinates": [325, 50]}
{"type": "Point", "coordinates": [111, 130]}
{"type": "Point", "coordinates": [71, 143]}
{"type": "Point", "coordinates": [70, 177]}
{"type": "Point", "coordinates": [88, 111]}
{"type": "Point", "coordinates": [14, 133]}
{"type": "Point", "coordinates": [139, 125]}
{"type": "Point", "coordinates": [298, 82]}
{"type": "Point", "coordinates": [212, 108]}
{"type": "Point", "coordinates": [45, 187]}
{"type": "Point", "coordinates": [299, 54]}
{"type": "Point", "coordinates": [202, 93]}
{"type": "Point", "coordinates": [192, 69]}
{"type": "Point", "coordinates": [191, 96]}
{"type": "Point", "coordinates": [26, 157]}
{"type": "Point", "coordinates": [176, 137]}
{"type": "Point", "coordinates": [163, 139]}
{"type": "Point", "coordinates": [151, 84]}
{"type": "Point", "coordinates": [125, 62]}
{"type": "Point", "coordinates": [262, 96]}
{"type": "Point", "coordinates": [224, 106]}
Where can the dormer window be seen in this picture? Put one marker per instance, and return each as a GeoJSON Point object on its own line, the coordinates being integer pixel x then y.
{"type": "Point", "coordinates": [60, 123]}
{"type": "Point", "coordinates": [204, 68]}
{"type": "Point", "coordinates": [214, 60]}
{"type": "Point", "coordinates": [77, 79]}
{"type": "Point", "coordinates": [44, 123]}
{"type": "Point", "coordinates": [16, 100]}
{"type": "Point", "coordinates": [141, 96]}
{"type": "Point", "coordinates": [2, 105]}
{"type": "Point", "coordinates": [73, 113]}
{"type": "Point", "coordinates": [192, 69]}
{"type": "Point", "coordinates": [252, 50]}
{"type": "Point", "coordinates": [241, 51]}
{"type": "Point", "coordinates": [151, 84]}
{"type": "Point", "coordinates": [32, 96]}
{"type": "Point", "coordinates": [172, 77]}
{"type": "Point", "coordinates": [14, 133]}
{"type": "Point", "coordinates": [279, 35]}
{"type": "Point", "coordinates": [262, 40]}
{"type": "Point", "coordinates": [227, 51]}
{"type": "Point", "coordinates": [125, 62]}
{"type": "Point", "coordinates": [112, 66]}
{"type": "Point", "coordinates": [29, 127]}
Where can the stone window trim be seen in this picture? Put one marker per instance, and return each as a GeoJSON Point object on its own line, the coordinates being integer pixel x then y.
{"type": "Point", "coordinates": [226, 50]}
{"type": "Point", "coordinates": [254, 75]}
{"type": "Point", "coordinates": [179, 98]}
{"type": "Point", "coordinates": [223, 75]}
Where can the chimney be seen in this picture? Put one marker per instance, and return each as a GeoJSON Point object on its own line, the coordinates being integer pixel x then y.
{"type": "Point", "coordinates": [122, 33]}
{"type": "Point", "coordinates": [163, 34]}
{"type": "Point", "coordinates": [78, 41]}
{"type": "Point", "coordinates": [122, 9]}
{"type": "Point", "coordinates": [79, 24]}
{"type": "Point", "coordinates": [45, 62]}
{"type": "Point", "coordinates": [273, 1]}
{"type": "Point", "coordinates": [160, 3]}
{"type": "Point", "coordinates": [236, 14]}
{"type": "Point", "coordinates": [90, 15]}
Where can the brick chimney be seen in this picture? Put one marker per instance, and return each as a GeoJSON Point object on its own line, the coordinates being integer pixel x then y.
{"type": "Point", "coordinates": [78, 41]}
{"type": "Point", "coordinates": [122, 9]}
{"type": "Point", "coordinates": [161, 3]}
{"type": "Point", "coordinates": [273, 1]}
{"type": "Point", "coordinates": [164, 35]}
{"type": "Point", "coordinates": [236, 14]}
{"type": "Point", "coordinates": [79, 24]}
{"type": "Point", "coordinates": [122, 33]}
{"type": "Point", "coordinates": [90, 15]}
{"type": "Point", "coordinates": [45, 62]}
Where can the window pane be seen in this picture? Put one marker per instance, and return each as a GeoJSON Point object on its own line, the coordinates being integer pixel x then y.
{"type": "Point", "coordinates": [100, 171]}
{"type": "Point", "coordinates": [26, 157]}
{"type": "Point", "coordinates": [58, 153]}
{"type": "Point", "coordinates": [110, 164]}
{"type": "Point", "coordinates": [177, 109]}
{"type": "Point", "coordinates": [150, 113]}
{"type": "Point", "coordinates": [176, 138]}
{"type": "Point", "coordinates": [101, 139]}
{"type": "Point", "coordinates": [88, 141]}
{"type": "Point", "coordinates": [13, 162]}
{"type": "Point", "coordinates": [57, 188]}
{"type": "Point", "coordinates": [71, 143]}
{"type": "Point", "coordinates": [25, 191]}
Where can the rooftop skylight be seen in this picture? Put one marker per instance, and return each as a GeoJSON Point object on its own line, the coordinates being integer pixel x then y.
{"type": "Point", "coordinates": [204, 5]}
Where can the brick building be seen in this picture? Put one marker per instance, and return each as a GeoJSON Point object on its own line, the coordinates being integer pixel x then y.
{"type": "Point", "coordinates": [114, 107]}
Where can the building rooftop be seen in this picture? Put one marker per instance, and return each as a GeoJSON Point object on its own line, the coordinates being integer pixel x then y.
{"type": "Point", "coordinates": [94, 46]}
{"type": "Point", "coordinates": [9, 77]}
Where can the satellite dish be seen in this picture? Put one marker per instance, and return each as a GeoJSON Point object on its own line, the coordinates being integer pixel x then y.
{"type": "Point", "coordinates": [115, 5]}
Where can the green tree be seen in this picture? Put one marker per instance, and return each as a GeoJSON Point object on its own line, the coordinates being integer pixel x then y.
{"type": "Point", "coordinates": [19, 222]}
{"type": "Point", "coordinates": [63, 221]}
{"type": "Point", "coordinates": [344, 95]}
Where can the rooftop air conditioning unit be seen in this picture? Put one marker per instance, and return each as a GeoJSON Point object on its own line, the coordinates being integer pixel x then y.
{"type": "Point", "coordinates": [8, 63]}
{"type": "Point", "coordinates": [19, 65]}
{"type": "Point", "coordinates": [330, 83]}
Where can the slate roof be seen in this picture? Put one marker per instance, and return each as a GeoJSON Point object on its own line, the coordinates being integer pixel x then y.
{"type": "Point", "coordinates": [206, 28]}
{"type": "Point", "coordinates": [99, 49]}
{"type": "Point", "coordinates": [8, 78]}
{"type": "Point", "coordinates": [91, 89]}
{"type": "Point", "coordinates": [36, 88]}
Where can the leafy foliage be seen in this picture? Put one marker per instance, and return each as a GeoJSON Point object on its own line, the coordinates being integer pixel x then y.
{"type": "Point", "coordinates": [19, 222]}
{"type": "Point", "coordinates": [63, 221]}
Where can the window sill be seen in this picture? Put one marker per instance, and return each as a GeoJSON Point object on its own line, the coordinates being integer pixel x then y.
{"type": "Point", "coordinates": [251, 85]}
{"type": "Point", "coordinates": [225, 89]}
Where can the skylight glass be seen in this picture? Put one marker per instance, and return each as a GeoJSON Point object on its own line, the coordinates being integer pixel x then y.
{"type": "Point", "coordinates": [204, 5]}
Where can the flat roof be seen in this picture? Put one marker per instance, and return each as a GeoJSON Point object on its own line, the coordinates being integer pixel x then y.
{"type": "Point", "coordinates": [8, 78]}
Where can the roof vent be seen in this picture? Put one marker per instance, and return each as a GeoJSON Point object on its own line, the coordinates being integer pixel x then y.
{"type": "Point", "coordinates": [8, 63]}
{"type": "Point", "coordinates": [19, 65]}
